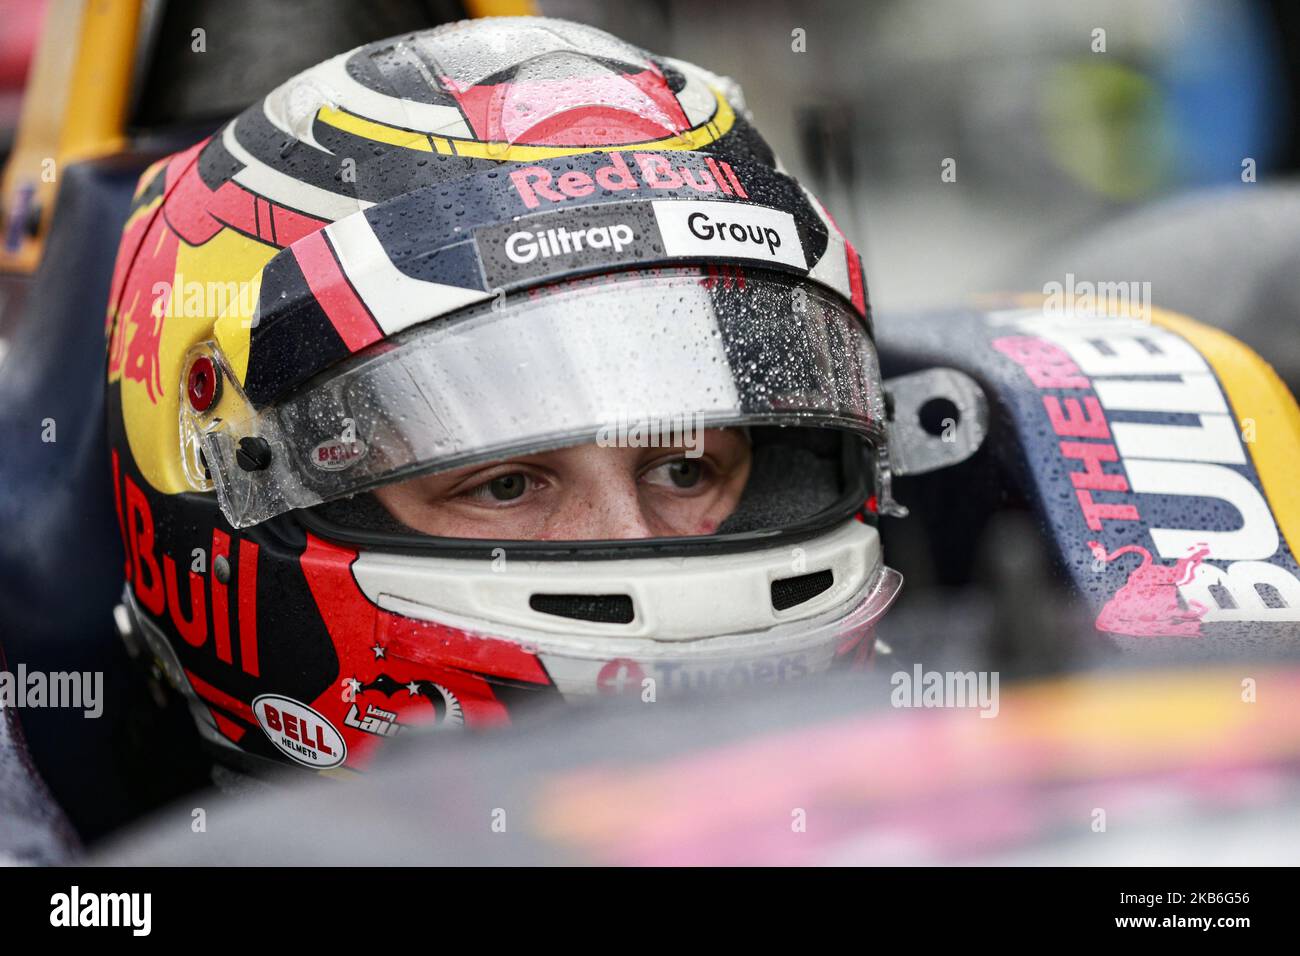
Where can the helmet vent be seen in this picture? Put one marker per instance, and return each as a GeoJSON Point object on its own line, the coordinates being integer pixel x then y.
{"type": "Point", "coordinates": [788, 592]}
{"type": "Point", "coordinates": [598, 608]}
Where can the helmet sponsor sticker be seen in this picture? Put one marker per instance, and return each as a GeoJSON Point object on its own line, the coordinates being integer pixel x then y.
{"type": "Point", "coordinates": [729, 229]}
{"type": "Point", "coordinates": [375, 720]}
{"type": "Point", "coordinates": [546, 245]}
{"type": "Point", "coordinates": [303, 734]}
{"type": "Point", "coordinates": [624, 675]}
{"type": "Point", "coordinates": [696, 173]}
{"type": "Point", "coordinates": [524, 246]}
{"type": "Point", "coordinates": [336, 454]}
{"type": "Point", "coordinates": [549, 244]}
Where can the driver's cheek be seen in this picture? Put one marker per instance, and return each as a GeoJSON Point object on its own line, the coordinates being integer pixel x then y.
{"type": "Point", "coordinates": [677, 515]}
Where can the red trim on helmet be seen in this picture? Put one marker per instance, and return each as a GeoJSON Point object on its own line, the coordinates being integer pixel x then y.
{"type": "Point", "coordinates": [329, 284]}
{"type": "Point", "coordinates": [197, 213]}
{"type": "Point", "coordinates": [121, 520]}
{"type": "Point", "coordinates": [289, 225]}
{"type": "Point", "coordinates": [503, 112]}
{"type": "Point", "coordinates": [179, 166]}
{"type": "Point", "coordinates": [229, 729]}
{"type": "Point", "coordinates": [247, 598]}
{"type": "Point", "coordinates": [857, 288]}
{"type": "Point", "coordinates": [346, 610]}
{"type": "Point", "coordinates": [437, 644]}
{"type": "Point", "coordinates": [133, 237]}
{"type": "Point", "coordinates": [220, 698]}
{"type": "Point", "coordinates": [191, 209]}
{"type": "Point", "coordinates": [411, 652]}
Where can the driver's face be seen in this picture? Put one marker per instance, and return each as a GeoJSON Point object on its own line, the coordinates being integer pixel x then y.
{"type": "Point", "coordinates": [581, 494]}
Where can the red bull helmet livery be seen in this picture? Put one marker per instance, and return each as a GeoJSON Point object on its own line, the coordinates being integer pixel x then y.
{"type": "Point", "coordinates": [457, 253]}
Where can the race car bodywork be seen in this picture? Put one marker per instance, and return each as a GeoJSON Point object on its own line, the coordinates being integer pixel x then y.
{"type": "Point", "coordinates": [1156, 454]}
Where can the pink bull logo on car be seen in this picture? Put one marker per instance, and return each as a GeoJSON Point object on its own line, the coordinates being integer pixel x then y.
{"type": "Point", "coordinates": [1147, 605]}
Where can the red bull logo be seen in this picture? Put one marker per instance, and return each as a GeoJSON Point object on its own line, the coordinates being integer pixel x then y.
{"type": "Point", "coordinates": [1147, 605]}
{"type": "Point", "coordinates": [647, 171]}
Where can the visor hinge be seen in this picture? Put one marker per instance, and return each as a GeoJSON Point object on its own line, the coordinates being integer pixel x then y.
{"type": "Point", "coordinates": [254, 454]}
{"type": "Point", "coordinates": [939, 417]}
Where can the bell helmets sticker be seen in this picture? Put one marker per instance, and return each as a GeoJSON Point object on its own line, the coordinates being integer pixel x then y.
{"type": "Point", "coordinates": [336, 454]}
{"type": "Point", "coordinates": [303, 734]}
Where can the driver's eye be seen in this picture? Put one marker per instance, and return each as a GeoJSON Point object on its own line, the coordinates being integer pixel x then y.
{"type": "Point", "coordinates": [507, 487]}
{"type": "Point", "coordinates": [685, 472]}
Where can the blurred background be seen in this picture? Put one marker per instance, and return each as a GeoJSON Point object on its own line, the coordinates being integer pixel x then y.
{"type": "Point", "coordinates": [1057, 115]}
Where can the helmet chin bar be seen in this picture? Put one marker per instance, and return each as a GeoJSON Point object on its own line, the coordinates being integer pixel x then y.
{"type": "Point", "coordinates": [701, 622]}
{"type": "Point", "coordinates": [686, 612]}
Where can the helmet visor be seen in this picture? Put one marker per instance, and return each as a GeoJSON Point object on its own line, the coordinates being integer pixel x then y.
{"type": "Point", "coordinates": [639, 356]}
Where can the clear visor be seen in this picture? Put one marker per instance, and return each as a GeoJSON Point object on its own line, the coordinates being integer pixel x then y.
{"type": "Point", "coordinates": [618, 359]}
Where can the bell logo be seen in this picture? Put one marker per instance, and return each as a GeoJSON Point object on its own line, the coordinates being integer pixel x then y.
{"type": "Point", "coordinates": [302, 733]}
{"type": "Point", "coordinates": [334, 454]}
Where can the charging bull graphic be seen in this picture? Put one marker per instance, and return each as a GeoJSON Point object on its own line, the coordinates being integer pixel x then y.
{"type": "Point", "coordinates": [1147, 604]}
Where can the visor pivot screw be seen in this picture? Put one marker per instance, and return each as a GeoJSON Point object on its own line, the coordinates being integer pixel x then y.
{"type": "Point", "coordinates": [254, 454]}
{"type": "Point", "coordinates": [221, 569]}
{"type": "Point", "coordinates": [203, 384]}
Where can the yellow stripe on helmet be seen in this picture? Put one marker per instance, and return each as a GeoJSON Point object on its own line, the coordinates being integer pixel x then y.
{"type": "Point", "coordinates": [710, 131]}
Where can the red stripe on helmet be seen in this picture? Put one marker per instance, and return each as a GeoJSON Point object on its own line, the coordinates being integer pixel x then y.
{"type": "Point", "coordinates": [247, 598]}
{"type": "Point", "coordinates": [598, 109]}
{"type": "Point", "coordinates": [354, 623]}
{"type": "Point", "coordinates": [220, 698]}
{"type": "Point", "coordinates": [229, 729]}
{"type": "Point", "coordinates": [329, 284]}
{"type": "Point", "coordinates": [857, 288]}
{"type": "Point", "coordinates": [288, 225]}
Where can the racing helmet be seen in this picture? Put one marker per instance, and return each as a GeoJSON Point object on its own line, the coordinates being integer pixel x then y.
{"type": "Point", "coordinates": [491, 240]}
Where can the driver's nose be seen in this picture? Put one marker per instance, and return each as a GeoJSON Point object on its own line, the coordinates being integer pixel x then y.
{"type": "Point", "coordinates": [602, 502]}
